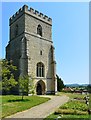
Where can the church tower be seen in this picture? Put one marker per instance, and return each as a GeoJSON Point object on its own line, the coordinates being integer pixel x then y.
{"type": "Point", "coordinates": [31, 48]}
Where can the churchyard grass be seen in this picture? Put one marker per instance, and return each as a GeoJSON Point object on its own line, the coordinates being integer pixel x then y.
{"type": "Point", "coordinates": [75, 108]}
{"type": "Point", "coordinates": [72, 95]}
{"type": "Point", "coordinates": [12, 104]}
{"type": "Point", "coordinates": [67, 117]}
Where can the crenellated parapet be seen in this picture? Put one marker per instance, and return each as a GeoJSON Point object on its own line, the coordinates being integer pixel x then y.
{"type": "Point", "coordinates": [31, 12]}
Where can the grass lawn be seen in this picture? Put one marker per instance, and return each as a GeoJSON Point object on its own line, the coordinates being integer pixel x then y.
{"type": "Point", "coordinates": [12, 104]}
{"type": "Point", "coordinates": [72, 95]}
{"type": "Point", "coordinates": [74, 108]}
{"type": "Point", "coordinates": [67, 117]}
{"type": "Point", "coordinates": [75, 105]}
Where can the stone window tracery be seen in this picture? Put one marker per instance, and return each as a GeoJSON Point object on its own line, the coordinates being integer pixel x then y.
{"type": "Point", "coordinates": [40, 69]}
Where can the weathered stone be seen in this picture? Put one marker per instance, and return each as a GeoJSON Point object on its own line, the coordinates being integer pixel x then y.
{"type": "Point", "coordinates": [30, 47]}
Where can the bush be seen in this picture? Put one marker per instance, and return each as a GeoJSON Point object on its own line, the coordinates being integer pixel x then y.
{"type": "Point", "coordinates": [70, 111]}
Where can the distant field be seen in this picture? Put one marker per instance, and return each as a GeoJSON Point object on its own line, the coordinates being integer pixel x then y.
{"type": "Point", "coordinates": [12, 104]}
{"type": "Point", "coordinates": [72, 95]}
{"type": "Point", "coordinates": [74, 108]}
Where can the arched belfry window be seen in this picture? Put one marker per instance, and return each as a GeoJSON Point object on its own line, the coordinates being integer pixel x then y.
{"type": "Point", "coordinates": [40, 69]}
{"type": "Point", "coordinates": [16, 30]}
{"type": "Point", "coordinates": [39, 30]}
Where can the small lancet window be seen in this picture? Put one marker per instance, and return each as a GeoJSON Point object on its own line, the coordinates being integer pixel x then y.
{"type": "Point", "coordinates": [40, 52]}
{"type": "Point", "coordinates": [16, 30]}
{"type": "Point", "coordinates": [39, 30]}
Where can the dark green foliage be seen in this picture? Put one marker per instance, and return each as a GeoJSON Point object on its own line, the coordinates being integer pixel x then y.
{"type": "Point", "coordinates": [8, 80]}
{"type": "Point", "coordinates": [89, 88]}
{"type": "Point", "coordinates": [7, 68]}
{"type": "Point", "coordinates": [7, 84]}
{"type": "Point", "coordinates": [60, 84]}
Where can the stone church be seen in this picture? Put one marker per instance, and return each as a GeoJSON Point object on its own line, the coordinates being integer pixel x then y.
{"type": "Point", "coordinates": [31, 48]}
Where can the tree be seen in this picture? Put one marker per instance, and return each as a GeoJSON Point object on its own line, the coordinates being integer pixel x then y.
{"type": "Point", "coordinates": [31, 87]}
{"type": "Point", "coordinates": [23, 85]}
{"type": "Point", "coordinates": [8, 80]}
{"type": "Point", "coordinates": [7, 84]}
{"type": "Point", "coordinates": [60, 84]}
{"type": "Point", "coordinates": [89, 88]}
{"type": "Point", "coordinates": [7, 68]}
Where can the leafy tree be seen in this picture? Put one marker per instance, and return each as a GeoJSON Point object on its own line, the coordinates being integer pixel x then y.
{"type": "Point", "coordinates": [26, 85]}
{"type": "Point", "coordinates": [7, 68]}
{"type": "Point", "coordinates": [23, 85]}
{"type": "Point", "coordinates": [7, 84]}
{"type": "Point", "coordinates": [7, 71]}
{"type": "Point", "coordinates": [60, 84]}
{"type": "Point", "coordinates": [31, 87]}
{"type": "Point", "coordinates": [0, 85]}
{"type": "Point", "coordinates": [89, 88]}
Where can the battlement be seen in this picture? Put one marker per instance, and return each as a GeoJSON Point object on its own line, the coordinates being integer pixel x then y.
{"type": "Point", "coordinates": [31, 12]}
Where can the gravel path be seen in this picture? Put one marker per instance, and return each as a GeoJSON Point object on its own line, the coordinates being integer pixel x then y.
{"type": "Point", "coordinates": [42, 110]}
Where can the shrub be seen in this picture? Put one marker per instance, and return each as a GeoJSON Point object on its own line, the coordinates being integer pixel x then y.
{"type": "Point", "coordinates": [70, 111]}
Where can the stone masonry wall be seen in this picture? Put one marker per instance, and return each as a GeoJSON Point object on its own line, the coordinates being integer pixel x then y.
{"type": "Point", "coordinates": [28, 21]}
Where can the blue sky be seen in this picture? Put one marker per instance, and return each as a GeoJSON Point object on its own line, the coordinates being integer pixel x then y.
{"type": "Point", "coordinates": [70, 34]}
